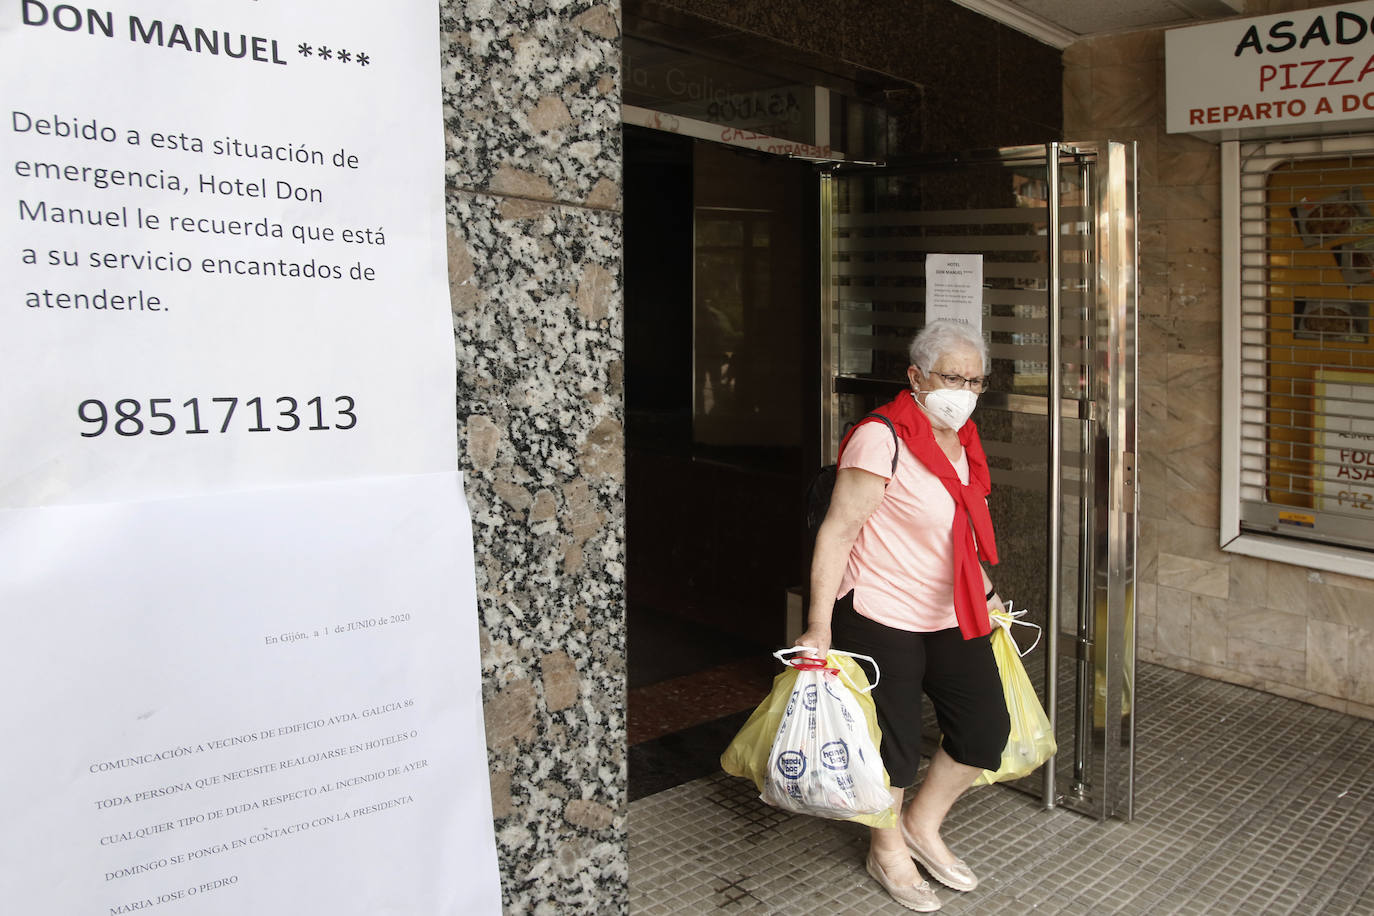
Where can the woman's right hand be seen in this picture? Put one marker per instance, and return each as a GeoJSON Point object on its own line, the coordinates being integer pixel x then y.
{"type": "Point", "coordinates": [816, 638]}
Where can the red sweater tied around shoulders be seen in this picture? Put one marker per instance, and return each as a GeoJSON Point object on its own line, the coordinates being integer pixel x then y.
{"type": "Point", "coordinates": [971, 532]}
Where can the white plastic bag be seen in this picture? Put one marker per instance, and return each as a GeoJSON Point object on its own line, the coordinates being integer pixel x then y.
{"type": "Point", "coordinates": [823, 762]}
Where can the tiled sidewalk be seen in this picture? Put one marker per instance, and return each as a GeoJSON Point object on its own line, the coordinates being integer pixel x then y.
{"type": "Point", "coordinates": [1246, 803]}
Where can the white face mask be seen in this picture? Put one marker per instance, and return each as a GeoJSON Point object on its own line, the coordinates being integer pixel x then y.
{"type": "Point", "coordinates": [948, 408]}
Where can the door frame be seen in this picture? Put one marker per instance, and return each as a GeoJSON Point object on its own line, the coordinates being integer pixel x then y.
{"type": "Point", "coordinates": [1098, 776]}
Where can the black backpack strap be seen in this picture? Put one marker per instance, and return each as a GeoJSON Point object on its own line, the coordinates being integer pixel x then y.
{"type": "Point", "coordinates": [890, 428]}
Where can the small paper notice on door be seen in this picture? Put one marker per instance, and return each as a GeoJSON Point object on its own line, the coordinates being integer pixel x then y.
{"type": "Point", "coordinates": [954, 288]}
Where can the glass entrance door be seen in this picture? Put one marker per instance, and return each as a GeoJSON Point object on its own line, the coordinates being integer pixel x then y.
{"type": "Point", "coordinates": [1055, 227]}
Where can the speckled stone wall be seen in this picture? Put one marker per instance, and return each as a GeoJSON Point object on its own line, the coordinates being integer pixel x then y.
{"type": "Point", "coordinates": [532, 116]}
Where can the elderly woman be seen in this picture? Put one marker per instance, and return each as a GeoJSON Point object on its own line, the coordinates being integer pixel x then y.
{"type": "Point", "coordinates": [896, 575]}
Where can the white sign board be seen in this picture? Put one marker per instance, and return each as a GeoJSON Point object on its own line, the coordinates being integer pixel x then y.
{"type": "Point", "coordinates": [1310, 69]}
{"type": "Point", "coordinates": [240, 659]}
{"type": "Point", "coordinates": [219, 237]}
{"type": "Point", "coordinates": [261, 702]}
{"type": "Point", "coordinates": [1345, 442]}
{"type": "Point", "coordinates": [954, 288]}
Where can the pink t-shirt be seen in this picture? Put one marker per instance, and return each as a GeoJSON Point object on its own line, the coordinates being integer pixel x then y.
{"type": "Point", "coordinates": [901, 566]}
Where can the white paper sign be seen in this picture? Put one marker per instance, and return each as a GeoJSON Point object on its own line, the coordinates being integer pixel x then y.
{"type": "Point", "coordinates": [1272, 74]}
{"type": "Point", "coordinates": [1345, 442]}
{"type": "Point", "coordinates": [240, 653]}
{"type": "Point", "coordinates": [262, 702]}
{"type": "Point", "coordinates": [954, 288]}
{"type": "Point", "coordinates": [223, 239]}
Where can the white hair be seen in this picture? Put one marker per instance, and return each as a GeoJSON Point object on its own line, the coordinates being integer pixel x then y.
{"type": "Point", "coordinates": [939, 337]}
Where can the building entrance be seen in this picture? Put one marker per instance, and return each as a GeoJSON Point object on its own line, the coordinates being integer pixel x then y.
{"type": "Point", "coordinates": [1054, 227]}
{"type": "Point", "coordinates": [721, 298]}
{"type": "Point", "coordinates": [769, 302]}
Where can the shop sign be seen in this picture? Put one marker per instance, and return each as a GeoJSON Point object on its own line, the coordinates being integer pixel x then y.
{"type": "Point", "coordinates": [679, 84]}
{"type": "Point", "coordinates": [1345, 442]}
{"type": "Point", "coordinates": [1272, 75]}
{"type": "Point", "coordinates": [731, 136]}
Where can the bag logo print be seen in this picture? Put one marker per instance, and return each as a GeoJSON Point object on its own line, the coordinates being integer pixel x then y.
{"type": "Point", "coordinates": [809, 698]}
{"type": "Point", "coordinates": [835, 755]}
{"type": "Point", "coordinates": [792, 764]}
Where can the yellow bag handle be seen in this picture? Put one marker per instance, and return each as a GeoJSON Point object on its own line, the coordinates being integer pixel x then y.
{"type": "Point", "coordinates": [1009, 617]}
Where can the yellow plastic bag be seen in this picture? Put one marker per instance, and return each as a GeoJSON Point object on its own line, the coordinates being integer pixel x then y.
{"type": "Point", "coordinates": [1031, 741]}
{"type": "Point", "coordinates": [747, 755]}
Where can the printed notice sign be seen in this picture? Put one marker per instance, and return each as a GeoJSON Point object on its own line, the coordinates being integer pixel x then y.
{"type": "Point", "coordinates": [284, 718]}
{"type": "Point", "coordinates": [954, 288]}
{"type": "Point", "coordinates": [240, 659]}
{"type": "Point", "coordinates": [1345, 442]}
{"type": "Point", "coordinates": [222, 234]}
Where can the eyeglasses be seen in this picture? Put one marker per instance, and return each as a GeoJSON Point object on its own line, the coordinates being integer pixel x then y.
{"type": "Point", "coordinates": [975, 385]}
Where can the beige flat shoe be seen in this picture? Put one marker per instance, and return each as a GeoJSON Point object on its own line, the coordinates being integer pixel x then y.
{"type": "Point", "coordinates": [919, 897]}
{"type": "Point", "coordinates": [956, 875]}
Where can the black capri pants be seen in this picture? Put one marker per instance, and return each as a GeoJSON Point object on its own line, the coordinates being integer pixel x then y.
{"type": "Point", "coordinates": [960, 677]}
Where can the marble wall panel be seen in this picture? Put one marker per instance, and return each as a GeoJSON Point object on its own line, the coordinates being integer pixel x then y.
{"type": "Point", "coordinates": [1079, 55]}
{"type": "Point", "coordinates": [1153, 477]}
{"type": "Point", "coordinates": [532, 98]}
{"type": "Point", "coordinates": [1208, 634]}
{"type": "Point", "coordinates": [1328, 664]}
{"type": "Point", "coordinates": [1157, 336]}
{"type": "Point", "coordinates": [1341, 605]}
{"type": "Point", "coordinates": [1197, 336]}
{"type": "Point", "coordinates": [1184, 539]}
{"type": "Point", "coordinates": [1125, 95]}
{"type": "Point", "coordinates": [1195, 201]}
{"type": "Point", "coordinates": [1147, 550]}
{"type": "Point", "coordinates": [1127, 48]}
{"type": "Point", "coordinates": [1194, 575]}
{"type": "Point", "coordinates": [1198, 508]}
{"type": "Point", "coordinates": [1194, 283]}
{"type": "Point", "coordinates": [1286, 586]}
{"type": "Point", "coordinates": [1300, 653]}
{"type": "Point", "coordinates": [1360, 658]}
{"type": "Point", "coordinates": [1152, 404]}
{"type": "Point", "coordinates": [1078, 101]}
{"type": "Point", "coordinates": [1188, 167]}
{"type": "Point", "coordinates": [1267, 627]}
{"type": "Point", "coordinates": [1152, 202]}
{"type": "Point", "coordinates": [1189, 235]}
{"type": "Point", "coordinates": [1173, 621]}
{"type": "Point", "coordinates": [1269, 663]}
{"type": "Point", "coordinates": [1249, 579]}
{"type": "Point", "coordinates": [1194, 386]}
{"type": "Point", "coordinates": [537, 315]}
{"type": "Point", "coordinates": [1146, 604]}
{"type": "Point", "coordinates": [1354, 583]}
{"type": "Point", "coordinates": [1195, 468]}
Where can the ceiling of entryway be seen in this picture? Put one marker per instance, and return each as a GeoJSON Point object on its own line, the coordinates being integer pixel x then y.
{"type": "Point", "coordinates": [1062, 22]}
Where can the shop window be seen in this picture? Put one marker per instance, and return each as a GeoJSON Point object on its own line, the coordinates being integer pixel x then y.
{"type": "Point", "coordinates": [1298, 461]}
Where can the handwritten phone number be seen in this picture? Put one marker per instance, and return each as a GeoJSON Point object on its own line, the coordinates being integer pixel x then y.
{"type": "Point", "coordinates": [157, 417]}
